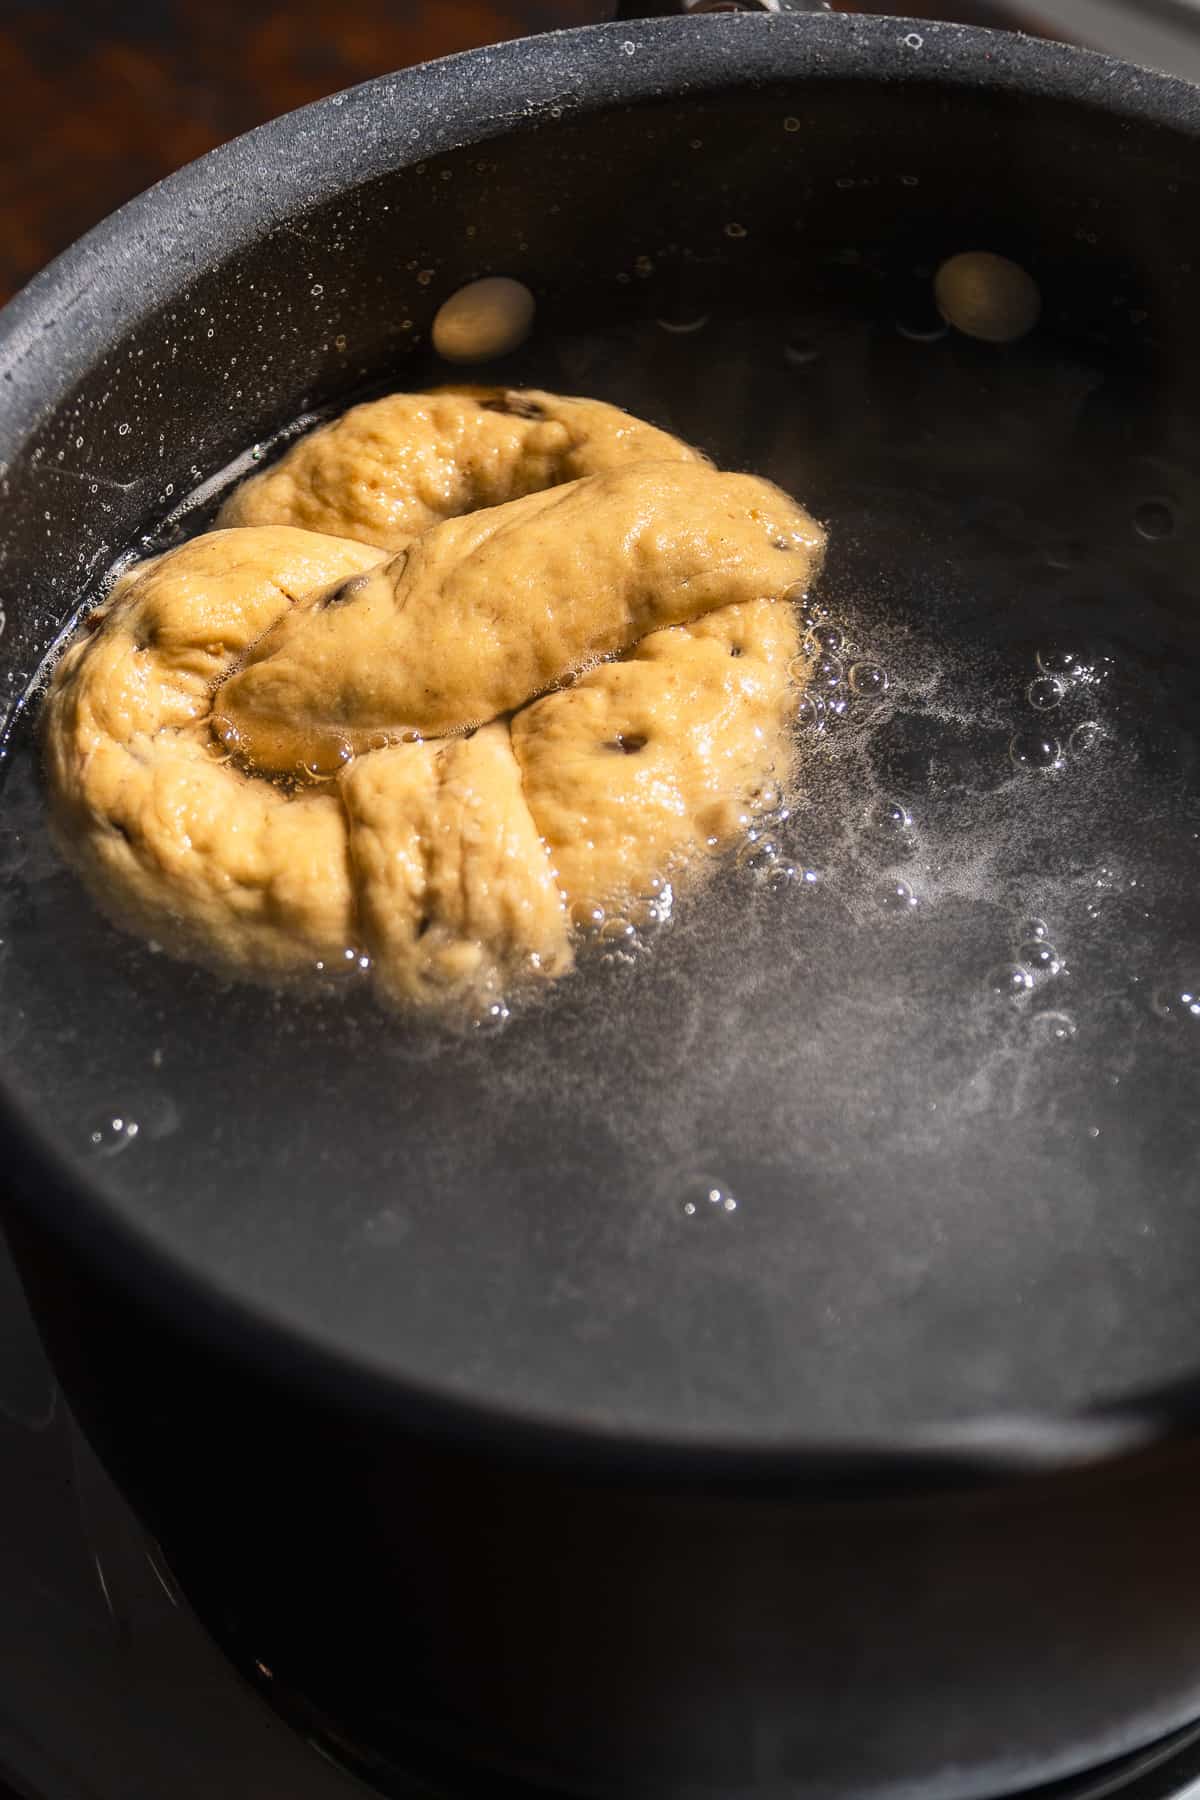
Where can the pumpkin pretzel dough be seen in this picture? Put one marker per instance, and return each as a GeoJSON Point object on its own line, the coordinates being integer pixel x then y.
{"type": "Point", "coordinates": [556, 675]}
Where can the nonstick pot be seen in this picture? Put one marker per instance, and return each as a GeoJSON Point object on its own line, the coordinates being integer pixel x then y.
{"type": "Point", "coordinates": [483, 1471]}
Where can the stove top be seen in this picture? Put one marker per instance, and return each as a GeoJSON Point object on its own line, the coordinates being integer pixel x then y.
{"type": "Point", "coordinates": [111, 1690]}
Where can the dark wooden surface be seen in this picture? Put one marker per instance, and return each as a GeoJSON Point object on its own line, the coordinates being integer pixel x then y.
{"type": "Point", "coordinates": [103, 97]}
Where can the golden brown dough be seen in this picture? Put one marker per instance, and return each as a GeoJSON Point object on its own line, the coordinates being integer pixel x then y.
{"type": "Point", "coordinates": [456, 893]}
{"type": "Point", "coordinates": [485, 611]}
{"type": "Point", "coordinates": [387, 470]}
{"type": "Point", "coordinates": [455, 862]}
{"type": "Point", "coordinates": [645, 765]}
{"type": "Point", "coordinates": [215, 865]}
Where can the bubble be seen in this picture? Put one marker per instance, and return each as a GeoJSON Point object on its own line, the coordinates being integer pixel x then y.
{"type": "Point", "coordinates": [735, 230]}
{"type": "Point", "coordinates": [685, 324]}
{"type": "Point", "coordinates": [1040, 956]}
{"type": "Point", "coordinates": [892, 816]}
{"type": "Point", "coordinates": [1085, 738]}
{"type": "Point", "coordinates": [484, 319]}
{"type": "Point", "coordinates": [758, 855]}
{"type": "Point", "coordinates": [1009, 981]}
{"type": "Point", "coordinates": [1035, 931]}
{"type": "Point", "coordinates": [797, 595]}
{"type": "Point", "coordinates": [896, 896]}
{"type": "Point", "coordinates": [110, 1132]}
{"type": "Point", "coordinates": [825, 639]}
{"type": "Point", "coordinates": [1177, 1002]}
{"type": "Point", "coordinates": [826, 672]}
{"type": "Point", "coordinates": [1053, 1028]}
{"type": "Point", "coordinates": [492, 1020]}
{"type": "Point", "coordinates": [1034, 750]}
{"type": "Point", "coordinates": [1057, 659]}
{"type": "Point", "coordinates": [618, 941]}
{"type": "Point", "coordinates": [810, 713]}
{"type": "Point", "coordinates": [868, 681]}
{"type": "Point", "coordinates": [1045, 693]}
{"type": "Point", "coordinates": [658, 908]}
{"type": "Point", "coordinates": [987, 297]}
{"type": "Point", "coordinates": [226, 733]}
{"type": "Point", "coordinates": [801, 352]}
{"type": "Point", "coordinates": [330, 759]}
{"type": "Point", "coordinates": [922, 326]}
{"type": "Point", "coordinates": [782, 876]}
{"type": "Point", "coordinates": [1154, 520]}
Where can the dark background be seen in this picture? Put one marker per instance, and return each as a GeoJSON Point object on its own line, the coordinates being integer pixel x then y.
{"type": "Point", "coordinates": [103, 97]}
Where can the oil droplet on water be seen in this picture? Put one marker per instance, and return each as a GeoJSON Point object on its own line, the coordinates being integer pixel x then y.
{"type": "Point", "coordinates": [1010, 981]}
{"type": "Point", "coordinates": [1035, 750]}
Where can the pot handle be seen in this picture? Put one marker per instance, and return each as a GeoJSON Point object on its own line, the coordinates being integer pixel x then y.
{"type": "Point", "coordinates": [657, 9]}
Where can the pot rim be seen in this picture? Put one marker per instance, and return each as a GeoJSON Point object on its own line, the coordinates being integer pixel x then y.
{"type": "Point", "coordinates": [129, 265]}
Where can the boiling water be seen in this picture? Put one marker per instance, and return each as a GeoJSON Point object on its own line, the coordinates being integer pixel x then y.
{"type": "Point", "coordinates": [899, 1119]}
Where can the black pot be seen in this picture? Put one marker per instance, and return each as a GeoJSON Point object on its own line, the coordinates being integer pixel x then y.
{"type": "Point", "coordinates": [496, 1553]}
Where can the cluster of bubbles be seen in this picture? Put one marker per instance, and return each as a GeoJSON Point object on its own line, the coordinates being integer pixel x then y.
{"type": "Point", "coordinates": [1061, 672]}
{"type": "Point", "coordinates": [707, 1199]}
{"type": "Point", "coordinates": [111, 1130]}
{"type": "Point", "coordinates": [350, 962]}
{"type": "Point", "coordinates": [1178, 1003]}
{"type": "Point", "coordinates": [1037, 959]}
{"type": "Point", "coordinates": [838, 686]}
{"type": "Point", "coordinates": [1037, 962]}
{"type": "Point", "coordinates": [620, 938]}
